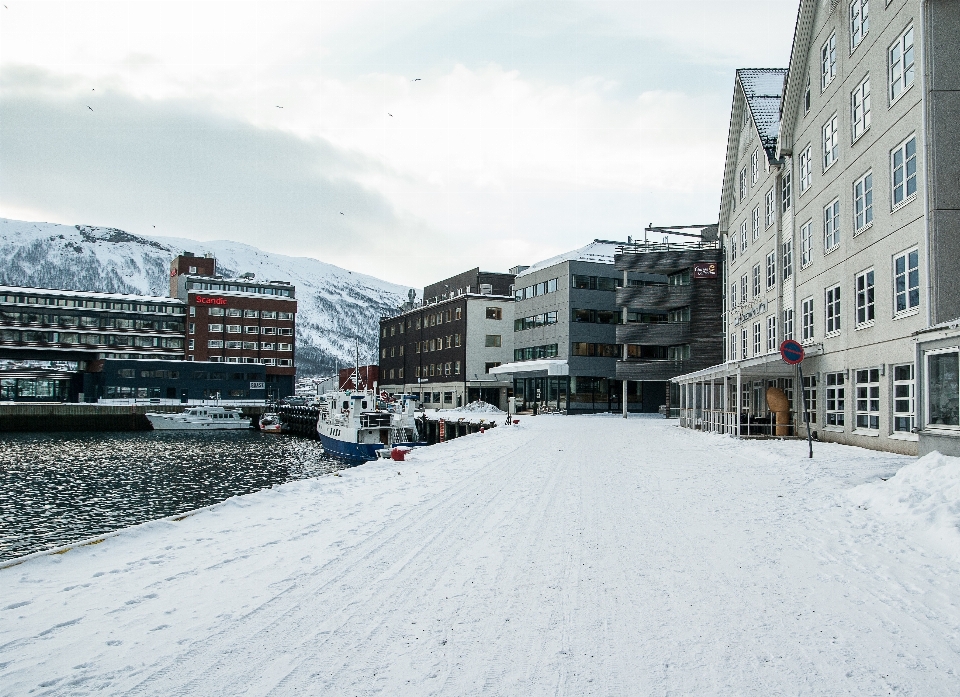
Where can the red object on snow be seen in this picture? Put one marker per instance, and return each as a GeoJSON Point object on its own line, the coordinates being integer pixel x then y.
{"type": "Point", "coordinates": [399, 453]}
{"type": "Point", "coordinates": [516, 421]}
{"type": "Point", "coordinates": [482, 430]}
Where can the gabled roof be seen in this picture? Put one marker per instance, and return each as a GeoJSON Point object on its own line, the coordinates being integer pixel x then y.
{"type": "Point", "coordinates": [763, 89]}
{"type": "Point", "coordinates": [796, 76]}
{"type": "Point", "coordinates": [757, 91]}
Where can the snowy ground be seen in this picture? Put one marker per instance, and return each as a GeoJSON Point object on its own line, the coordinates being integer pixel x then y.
{"type": "Point", "coordinates": [566, 556]}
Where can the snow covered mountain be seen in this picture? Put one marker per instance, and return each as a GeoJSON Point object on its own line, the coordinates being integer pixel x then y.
{"type": "Point", "coordinates": [334, 305]}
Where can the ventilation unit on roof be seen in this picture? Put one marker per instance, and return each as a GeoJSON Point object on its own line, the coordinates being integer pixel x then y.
{"type": "Point", "coordinates": [486, 289]}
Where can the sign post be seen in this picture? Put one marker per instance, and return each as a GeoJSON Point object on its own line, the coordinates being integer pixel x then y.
{"type": "Point", "coordinates": [792, 353]}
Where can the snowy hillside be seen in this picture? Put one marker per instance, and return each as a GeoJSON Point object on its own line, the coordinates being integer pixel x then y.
{"type": "Point", "coordinates": [334, 305]}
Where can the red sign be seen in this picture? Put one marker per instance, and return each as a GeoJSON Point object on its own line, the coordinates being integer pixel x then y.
{"type": "Point", "coordinates": [202, 300]}
{"type": "Point", "coordinates": [443, 431]}
{"type": "Point", "coordinates": [705, 270]}
{"type": "Point", "coordinates": [791, 352]}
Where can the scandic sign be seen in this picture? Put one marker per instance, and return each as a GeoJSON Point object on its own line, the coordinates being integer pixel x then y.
{"type": "Point", "coordinates": [705, 270]}
{"type": "Point", "coordinates": [201, 300]}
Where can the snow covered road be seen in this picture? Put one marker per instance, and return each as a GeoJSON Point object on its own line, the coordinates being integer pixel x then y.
{"type": "Point", "coordinates": [568, 556]}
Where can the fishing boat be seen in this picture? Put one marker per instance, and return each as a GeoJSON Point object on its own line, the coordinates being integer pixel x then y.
{"type": "Point", "coordinates": [270, 423]}
{"type": "Point", "coordinates": [199, 419]}
{"type": "Point", "coordinates": [354, 425]}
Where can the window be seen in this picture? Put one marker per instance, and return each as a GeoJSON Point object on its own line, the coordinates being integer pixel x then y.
{"type": "Point", "coordinates": [904, 398]}
{"type": "Point", "coordinates": [494, 313]}
{"type": "Point", "coordinates": [192, 328]}
{"type": "Point", "coordinates": [943, 388]}
{"type": "Point", "coordinates": [806, 243]}
{"type": "Point", "coordinates": [233, 329]}
{"type": "Point", "coordinates": [251, 330]}
{"type": "Point", "coordinates": [743, 236]}
{"type": "Point", "coordinates": [859, 21]}
{"type": "Point", "coordinates": [860, 105]}
{"type": "Point", "coordinates": [193, 310]}
{"type": "Point", "coordinates": [733, 295]}
{"type": "Point", "coordinates": [678, 353]}
{"type": "Point", "coordinates": [234, 344]}
{"type": "Point", "coordinates": [743, 343]}
{"type": "Point", "coordinates": [806, 320]}
{"type": "Point", "coordinates": [787, 324]}
{"type": "Point", "coordinates": [806, 96]}
{"type": "Point", "coordinates": [756, 279]}
{"type": "Point", "coordinates": [600, 350]}
{"type": "Point", "coordinates": [902, 68]}
{"type": "Point", "coordinates": [755, 166]}
{"type": "Point", "coordinates": [446, 370]}
{"type": "Point", "coordinates": [787, 259]}
{"type": "Point", "coordinates": [868, 398]}
{"type": "Point", "coordinates": [906, 281]}
{"type": "Point", "coordinates": [214, 312]}
{"type": "Point", "coordinates": [251, 313]}
{"type": "Point", "coordinates": [831, 142]}
{"type": "Point", "coordinates": [756, 223]}
{"type": "Point", "coordinates": [770, 208]}
{"type": "Point", "coordinates": [214, 328]}
{"type": "Point", "coordinates": [596, 282]}
{"type": "Point", "coordinates": [757, 332]}
{"type": "Point", "coordinates": [214, 343]}
{"type": "Point", "coordinates": [831, 225]}
{"type": "Point", "coordinates": [486, 366]}
{"type": "Point", "coordinates": [903, 164]}
{"type": "Point", "coordinates": [458, 313]}
{"type": "Point", "coordinates": [285, 315]}
{"type": "Point", "coordinates": [863, 203]}
{"type": "Point", "coordinates": [456, 339]}
{"type": "Point", "coordinates": [865, 304]}
{"type": "Point", "coordinates": [267, 346]}
{"type": "Point", "coordinates": [743, 183]}
{"type": "Point", "coordinates": [250, 345]}
{"type": "Point", "coordinates": [832, 310]}
{"type": "Point", "coordinates": [269, 314]}
{"type": "Point", "coordinates": [771, 270]}
{"type": "Point", "coordinates": [744, 289]}
{"type": "Point", "coordinates": [733, 248]}
{"type": "Point", "coordinates": [810, 396]}
{"type": "Point", "coordinates": [493, 340]}
{"type": "Point", "coordinates": [771, 333]}
{"type": "Point", "coordinates": [234, 312]}
{"type": "Point", "coordinates": [786, 193]}
{"type": "Point", "coordinates": [680, 314]}
{"type": "Point", "coordinates": [284, 347]}
{"type": "Point", "coordinates": [456, 368]}
{"type": "Point", "coordinates": [835, 399]}
{"type": "Point", "coordinates": [733, 346]}
{"type": "Point", "coordinates": [806, 168]}
{"type": "Point", "coordinates": [828, 61]}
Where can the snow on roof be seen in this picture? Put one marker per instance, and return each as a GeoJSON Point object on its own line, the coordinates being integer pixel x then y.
{"type": "Point", "coordinates": [90, 294]}
{"type": "Point", "coordinates": [598, 252]}
{"type": "Point", "coordinates": [763, 89]}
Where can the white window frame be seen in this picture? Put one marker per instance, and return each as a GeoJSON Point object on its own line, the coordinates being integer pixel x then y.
{"type": "Point", "coordinates": [806, 244]}
{"type": "Point", "coordinates": [807, 328]}
{"type": "Point", "coordinates": [757, 339]}
{"type": "Point", "coordinates": [901, 65]}
{"type": "Point", "coordinates": [755, 223]}
{"type": "Point", "coordinates": [903, 399]}
{"type": "Point", "coordinates": [835, 396]}
{"type": "Point", "coordinates": [744, 342]}
{"type": "Point", "coordinates": [771, 269]}
{"type": "Point", "coordinates": [771, 333]}
{"type": "Point", "coordinates": [788, 324]}
{"type": "Point", "coordinates": [831, 141]}
{"type": "Point", "coordinates": [743, 236]}
{"type": "Point", "coordinates": [903, 150]}
{"type": "Point", "coordinates": [744, 288]}
{"type": "Point", "coordinates": [743, 183]}
{"type": "Point", "coordinates": [828, 61]}
{"type": "Point", "coordinates": [865, 293]}
{"type": "Point", "coordinates": [786, 191]}
{"type": "Point", "coordinates": [787, 259]}
{"type": "Point", "coordinates": [902, 283]}
{"type": "Point", "coordinates": [866, 406]}
{"type": "Point", "coordinates": [831, 311]}
{"type": "Point", "coordinates": [755, 166]}
{"type": "Point", "coordinates": [770, 208]}
{"type": "Point", "coordinates": [733, 346]}
{"type": "Point", "coordinates": [806, 168]}
{"type": "Point", "coordinates": [860, 115]}
{"type": "Point", "coordinates": [859, 22]}
{"type": "Point", "coordinates": [831, 226]}
{"type": "Point", "coordinates": [863, 203]}
{"type": "Point", "coordinates": [733, 294]}
{"type": "Point", "coordinates": [756, 280]}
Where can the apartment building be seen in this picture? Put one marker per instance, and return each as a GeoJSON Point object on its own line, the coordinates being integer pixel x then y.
{"type": "Point", "coordinates": [443, 349]}
{"type": "Point", "coordinates": [839, 217]}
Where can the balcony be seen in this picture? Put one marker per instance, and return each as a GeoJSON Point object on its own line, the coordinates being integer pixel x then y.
{"type": "Point", "coordinates": [655, 297]}
{"type": "Point", "coordinates": [654, 334]}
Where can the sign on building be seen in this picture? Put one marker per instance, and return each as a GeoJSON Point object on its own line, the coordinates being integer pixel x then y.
{"type": "Point", "coordinates": [705, 270]}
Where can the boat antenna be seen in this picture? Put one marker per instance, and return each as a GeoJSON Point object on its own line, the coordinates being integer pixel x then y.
{"type": "Point", "coordinates": [358, 363]}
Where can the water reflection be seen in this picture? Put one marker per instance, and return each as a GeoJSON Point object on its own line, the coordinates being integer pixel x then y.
{"type": "Point", "coordinates": [61, 488]}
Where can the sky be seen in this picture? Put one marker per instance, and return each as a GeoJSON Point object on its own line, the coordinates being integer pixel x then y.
{"type": "Point", "coordinates": [407, 140]}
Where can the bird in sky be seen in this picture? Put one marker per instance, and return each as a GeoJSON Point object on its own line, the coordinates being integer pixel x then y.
{"type": "Point", "coordinates": [89, 107]}
{"type": "Point", "coordinates": [389, 114]}
{"type": "Point", "coordinates": [416, 79]}
{"type": "Point", "coordinates": [279, 107]}
{"type": "Point", "coordinates": [341, 212]}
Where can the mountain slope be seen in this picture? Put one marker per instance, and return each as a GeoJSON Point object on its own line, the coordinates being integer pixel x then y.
{"type": "Point", "coordinates": [334, 305]}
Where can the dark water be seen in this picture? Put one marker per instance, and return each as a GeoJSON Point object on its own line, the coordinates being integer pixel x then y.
{"type": "Point", "coordinates": [61, 488]}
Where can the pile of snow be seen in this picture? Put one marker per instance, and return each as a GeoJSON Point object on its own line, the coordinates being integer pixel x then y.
{"type": "Point", "coordinates": [924, 494]}
{"type": "Point", "coordinates": [479, 407]}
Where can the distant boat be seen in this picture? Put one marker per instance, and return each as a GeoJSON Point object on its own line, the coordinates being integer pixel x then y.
{"type": "Point", "coordinates": [355, 425]}
{"type": "Point", "coordinates": [200, 419]}
{"type": "Point", "coordinates": [270, 423]}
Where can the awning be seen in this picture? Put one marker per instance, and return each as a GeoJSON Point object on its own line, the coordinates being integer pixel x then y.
{"type": "Point", "coordinates": [770, 365]}
{"type": "Point", "coordinates": [538, 368]}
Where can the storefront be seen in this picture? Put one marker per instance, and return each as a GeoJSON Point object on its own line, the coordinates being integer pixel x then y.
{"type": "Point", "coordinates": [35, 385]}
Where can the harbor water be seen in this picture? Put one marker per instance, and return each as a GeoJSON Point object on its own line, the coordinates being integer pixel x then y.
{"type": "Point", "coordinates": [59, 488]}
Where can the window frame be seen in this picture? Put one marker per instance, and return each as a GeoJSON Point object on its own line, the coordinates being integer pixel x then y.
{"type": "Point", "coordinates": [786, 191]}
{"type": "Point", "coordinates": [861, 91]}
{"type": "Point", "coordinates": [928, 393]}
{"type": "Point", "coordinates": [806, 168]}
{"type": "Point", "coordinates": [828, 61]}
{"type": "Point", "coordinates": [743, 236]}
{"type": "Point", "coordinates": [807, 321]}
{"type": "Point", "coordinates": [866, 405]}
{"type": "Point", "coordinates": [786, 264]}
{"type": "Point", "coordinates": [863, 203]}
{"type": "Point", "coordinates": [907, 288]}
{"type": "Point", "coordinates": [911, 399]}
{"type": "Point", "coordinates": [771, 333]}
{"type": "Point", "coordinates": [787, 324]}
{"type": "Point", "coordinates": [859, 22]}
{"type": "Point", "coordinates": [755, 166]}
{"type": "Point", "coordinates": [831, 226]}
{"type": "Point", "coordinates": [907, 196]}
{"type": "Point", "coordinates": [757, 338]}
{"type": "Point", "coordinates": [835, 396]}
{"type": "Point", "coordinates": [900, 65]}
{"type": "Point", "coordinates": [755, 223]}
{"type": "Point", "coordinates": [865, 305]}
{"type": "Point", "coordinates": [830, 140]}
{"type": "Point", "coordinates": [771, 269]}
{"type": "Point", "coordinates": [832, 311]}
{"type": "Point", "coordinates": [756, 287]}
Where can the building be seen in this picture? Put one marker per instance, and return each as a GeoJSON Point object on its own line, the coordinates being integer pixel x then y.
{"type": "Point", "coordinates": [839, 217]}
{"type": "Point", "coordinates": [565, 332]}
{"type": "Point", "coordinates": [180, 381]}
{"type": "Point", "coordinates": [369, 376]}
{"type": "Point", "coordinates": [77, 326]}
{"type": "Point", "coordinates": [671, 314]}
{"type": "Point", "coordinates": [238, 320]}
{"type": "Point", "coordinates": [444, 348]}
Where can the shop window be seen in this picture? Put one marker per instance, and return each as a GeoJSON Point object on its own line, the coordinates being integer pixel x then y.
{"type": "Point", "coordinates": [943, 389]}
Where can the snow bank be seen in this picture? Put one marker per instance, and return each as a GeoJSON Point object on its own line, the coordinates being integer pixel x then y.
{"type": "Point", "coordinates": [479, 407]}
{"type": "Point", "coordinates": [924, 494]}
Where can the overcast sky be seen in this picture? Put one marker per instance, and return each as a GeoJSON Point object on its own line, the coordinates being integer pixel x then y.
{"type": "Point", "coordinates": [408, 140]}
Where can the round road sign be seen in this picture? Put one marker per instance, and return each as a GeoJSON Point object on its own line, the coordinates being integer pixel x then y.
{"type": "Point", "coordinates": [791, 351]}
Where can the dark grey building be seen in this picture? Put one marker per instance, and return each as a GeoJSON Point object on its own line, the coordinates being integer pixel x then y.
{"type": "Point", "coordinates": [179, 381]}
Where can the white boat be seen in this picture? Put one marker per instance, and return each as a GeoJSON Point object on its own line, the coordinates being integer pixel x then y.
{"type": "Point", "coordinates": [199, 419]}
{"type": "Point", "coordinates": [355, 425]}
{"type": "Point", "coordinates": [270, 423]}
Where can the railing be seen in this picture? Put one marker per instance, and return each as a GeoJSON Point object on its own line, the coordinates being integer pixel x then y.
{"type": "Point", "coordinates": [647, 247]}
{"type": "Point", "coordinates": [733, 424]}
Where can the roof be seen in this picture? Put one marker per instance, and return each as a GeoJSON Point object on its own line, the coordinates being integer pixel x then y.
{"type": "Point", "coordinates": [796, 77]}
{"type": "Point", "coordinates": [763, 90]}
{"type": "Point", "coordinates": [598, 252]}
{"type": "Point", "coordinates": [16, 290]}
